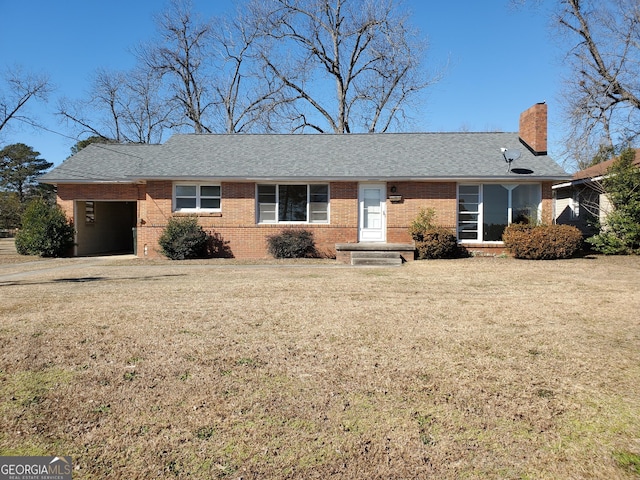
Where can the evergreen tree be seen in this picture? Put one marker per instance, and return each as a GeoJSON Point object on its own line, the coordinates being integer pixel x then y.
{"type": "Point", "coordinates": [19, 168]}
{"type": "Point", "coordinates": [45, 231]}
{"type": "Point", "coordinates": [88, 141]}
{"type": "Point", "coordinates": [620, 233]}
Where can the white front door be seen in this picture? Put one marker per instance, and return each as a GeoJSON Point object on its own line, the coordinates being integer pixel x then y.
{"type": "Point", "coordinates": [373, 200]}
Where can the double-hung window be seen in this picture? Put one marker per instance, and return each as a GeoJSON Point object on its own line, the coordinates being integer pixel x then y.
{"type": "Point", "coordinates": [485, 210]}
{"type": "Point", "coordinates": [293, 203]}
{"type": "Point", "coordinates": [195, 197]}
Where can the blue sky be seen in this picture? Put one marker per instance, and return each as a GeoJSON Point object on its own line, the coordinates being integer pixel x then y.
{"type": "Point", "coordinates": [501, 60]}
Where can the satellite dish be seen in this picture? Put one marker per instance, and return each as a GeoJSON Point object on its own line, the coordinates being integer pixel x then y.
{"type": "Point", "coordinates": [510, 155]}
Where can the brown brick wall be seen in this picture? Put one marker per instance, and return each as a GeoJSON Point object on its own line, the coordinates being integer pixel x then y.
{"type": "Point", "coordinates": [441, 196]}
{"type": "Point", "coordinates": [236, 223]}
{"type": "Point", "coordinates": [67, 194]}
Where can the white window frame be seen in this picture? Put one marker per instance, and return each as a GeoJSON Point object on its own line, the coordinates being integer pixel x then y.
{"type": "Point", "coordinates": [574, 205]}
{"type": "Point", "coordinates": [198, 197]}
{"type": "Point", "coordinates": [308, 204]}
{"type": "Point", "coordinates": [480, 223]}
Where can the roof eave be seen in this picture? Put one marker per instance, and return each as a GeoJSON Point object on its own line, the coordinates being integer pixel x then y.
{"type": "Point", "coordinates": [578, 181]}
{"type": "Point", "coordinates": [371, 178]}
{"type": "Point", "coordinates": [64, 181]}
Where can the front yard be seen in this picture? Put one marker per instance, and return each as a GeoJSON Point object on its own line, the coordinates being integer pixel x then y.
{"type": "Point", "coordinates": [471, 368]}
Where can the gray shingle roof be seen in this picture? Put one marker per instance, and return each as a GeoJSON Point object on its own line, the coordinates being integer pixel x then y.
{"type": "Point", "coordinates": [410, 156]}
{"type": "Point", "coordinates": [101, 163]}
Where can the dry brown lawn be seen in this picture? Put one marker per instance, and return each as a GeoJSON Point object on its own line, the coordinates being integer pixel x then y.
{"type": "Point", "coordinates": [474, 368]}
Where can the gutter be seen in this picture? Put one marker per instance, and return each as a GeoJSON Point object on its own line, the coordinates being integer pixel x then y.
{"type": "Point", "coordinates": [199, 178]}
{"type": "Point", "coordinates": [580, 181]}
{"type": "Point", "coordinates": [508, 179]}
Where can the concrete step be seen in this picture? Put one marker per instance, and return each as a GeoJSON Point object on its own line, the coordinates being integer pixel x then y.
{"type": "Point", "coordinates": [382, 259]}
{"type": "Point", "coordinates": [375, 254]}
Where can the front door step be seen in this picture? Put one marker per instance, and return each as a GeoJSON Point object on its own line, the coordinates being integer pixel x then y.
{"type": "Point", "coordinates": [372, 253]}
{"type": "Point", "coordinates": [376, 258]}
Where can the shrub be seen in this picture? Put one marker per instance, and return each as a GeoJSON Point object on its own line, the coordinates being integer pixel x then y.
{"type": "Point", "coordinates": [433, 242]}
{"type": "Point", "coordinates": [619, 235]}
{"type": "Point", "coordinates": [183, 239]}
{"type": "Point", "coordinates": [616, 236]}
{"type": "Point", "coordinates": [292, 243]}
{"type": "Point", "coordinates": [620, 232]}
{"type": "Point", "coordinates": [45, 231]}
{"type": "Point", "coordinates": [438, 242]}
{"type": "Point", "coordinates": [422, 223]}
{"type": "Point", "coordinates": [542, 242]}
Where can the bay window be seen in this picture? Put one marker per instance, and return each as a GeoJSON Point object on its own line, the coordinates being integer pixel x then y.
{"type": "Point", "coordinates": [293, 203]}
{"type": "Point", "coordinates": [484, 210]}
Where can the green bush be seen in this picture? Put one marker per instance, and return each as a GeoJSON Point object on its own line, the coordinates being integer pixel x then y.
{"type": "Point", "coordinates": [45, 231]}
{"type": "Point", "coordinates": [618, 237]}
{"type": "Point", "coordinates": [183, 239]}
{"type": "Point", "coordinates": [292, 243]}
{"type": "Point", "coordinates": [620, 231]}
{"type": "Point", "coordinates": [542, 242]}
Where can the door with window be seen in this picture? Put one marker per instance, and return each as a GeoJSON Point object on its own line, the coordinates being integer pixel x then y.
{"type": "Point", "coordinates": [372, 212]}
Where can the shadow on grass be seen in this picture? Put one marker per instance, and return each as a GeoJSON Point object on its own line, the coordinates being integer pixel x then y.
{"type": "Point", "coordinates": [80, 279]}
{"type": "Point", "coordinates": [86, 280]}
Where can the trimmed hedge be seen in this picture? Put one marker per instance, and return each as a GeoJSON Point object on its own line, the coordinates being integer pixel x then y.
{"type": "Point", "coordinates": [542, 242]}
{"type": "Point", "coordinates": [292, 243]}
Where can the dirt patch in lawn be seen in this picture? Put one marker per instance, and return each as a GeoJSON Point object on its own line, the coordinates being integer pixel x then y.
{"type": "Point", "coordinates": [473, 368]}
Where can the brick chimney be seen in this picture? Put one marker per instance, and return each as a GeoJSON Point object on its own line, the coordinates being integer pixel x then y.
{"type": "Point", "coordinates": [533, 128]}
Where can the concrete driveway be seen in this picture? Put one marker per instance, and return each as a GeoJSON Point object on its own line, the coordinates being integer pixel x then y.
{"type": "Point", "coordinates": [17, 267]}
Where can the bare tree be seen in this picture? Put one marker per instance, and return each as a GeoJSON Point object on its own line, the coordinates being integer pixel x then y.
{"type": "Point", "coordinates": [198, 75]}
{"type": "Point", "coordinates": [99, 114]}
{"type": "Point", "coordinates": [122, 106]}
{"type": "Point", "coordinates": [603, 87]}
{"type": "Point", "coordinates": [147, 114]}
{"type": "Point", "coordinates": [21, 87]}
{"type": "Point", "coordinates": [247, 96]}
{"type": "Point", "coordinates": [277, 65]}
{"type": "Point", "coordinates": [365, 48]}
{"type": "Point", "coordinates": [180, 58]}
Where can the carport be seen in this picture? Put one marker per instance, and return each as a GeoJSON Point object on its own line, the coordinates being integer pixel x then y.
{"type": "Point", "coordinates": [105, 227]}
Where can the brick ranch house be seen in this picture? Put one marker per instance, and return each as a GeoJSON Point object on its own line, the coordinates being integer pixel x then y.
{"type": "Point", "coordinates": [349, 190]}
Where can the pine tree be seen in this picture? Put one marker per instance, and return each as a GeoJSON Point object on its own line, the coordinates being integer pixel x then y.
{"type": "Point", "coordinates": [19, 167]}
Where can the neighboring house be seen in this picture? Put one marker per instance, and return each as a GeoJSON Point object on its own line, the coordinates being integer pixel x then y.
{"type": "Point", "coordinates": [349, 190]}
{"type": "Point", "coordinates": [582, 201]}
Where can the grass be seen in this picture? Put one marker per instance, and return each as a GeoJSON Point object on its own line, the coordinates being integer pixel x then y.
{"type": "Point", "coordinates": [473, 368]}
{"type": "Point", "coordinates": [628, 460]}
